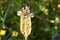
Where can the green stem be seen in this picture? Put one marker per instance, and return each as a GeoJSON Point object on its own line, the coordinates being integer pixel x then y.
{"type": "Point", "coordinates": [5, 15]}
{"type": "Point", "coordinates": [6, 12]}
{"type": "Point", "coordinates": [0, 37]}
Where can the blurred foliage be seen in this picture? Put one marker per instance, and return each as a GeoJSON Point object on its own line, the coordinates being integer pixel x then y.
{"type": "Point", "coordinates": [42, 27]}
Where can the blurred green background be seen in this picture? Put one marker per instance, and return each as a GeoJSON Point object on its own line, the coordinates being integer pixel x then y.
{"type": "Point", "coordinates": [45, 23]}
